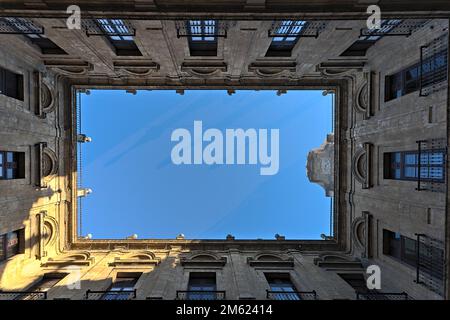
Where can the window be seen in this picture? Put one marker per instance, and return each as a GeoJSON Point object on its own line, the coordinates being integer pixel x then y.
{"type": "Point", "coordinates": [32, 32]}
{"type": "Point", "coordinates": [406, 166]}
{"type": "Point", "coordinates": [11, 244]}
{"type": "Point", "coordinates": [286, 37]}
{"type": "Point", "coordinates": [202, 37]}
{"type": "Point", "coordinates": [356, 281]}
{"type": "Point", "coordinates": [400, 247]}
{"type": "Point", "coordinates": [202, 286]}
{"type": "Point", "coordinates": [281, 287]}
{"type": "Point", "coordinates": [122, 287]}
{"type": "Point", "coordinates": [360, 46]}
{"type": "Point", "coordinates": [46, 45]}
{"type": "Point", "coordinates": [433, 69]}
{"type": "Point", "coordinates": [11, 84]}
{"type": "Point", "coordinates": [12, 165]}
{"type": "Point", "coordinates": [119, 35]}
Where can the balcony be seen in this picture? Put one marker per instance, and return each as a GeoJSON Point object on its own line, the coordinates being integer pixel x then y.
{"type": "Point", "coordinates": [200, 295]}
{"type": "Point", "coordinates": [293, 295]}
{"type": "Point", "coordinates": [382, 296]}
{"type": "Point", "coordinates": [111, 295]}
{"type": "Point", "coordinates": [23, 295]}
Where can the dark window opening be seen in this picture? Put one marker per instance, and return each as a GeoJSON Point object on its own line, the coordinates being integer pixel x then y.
{"type": "Point", "coordinates": [11, 244]}
{"type": "Point", "coordinates": [359, 47]}
{"type": "Point", "coordinates": [12, 165]}
{"type": "Point", "coordinates": [11, 84]}
{"type": "Point", "coordinates": [202, 286]}
{"type": "Point", "coordinates": [27, 28]}
{"type": "Point", "coordinates": [400, 247]}
{"type": "Point", "coordinates": [122, 287]}
{"type": "Point", "coordinates": [285, 39]}
{"type": "Point", "coordinates": [406, 166]}
{"type": "Point", "coordinates": [118, 35]}
{"type": "Point", "coordinates": [47, 282]}
{"type": "Point", "coordinates": [46, 45]}
{"type": "Point", "coordinates": [281, 286]}
{"type": "Point", "coordinates": [356, 281]}
{"type": "Point", "coordinates": [202, 37]}
{"type": "Point", "coordinates": [433, 70]}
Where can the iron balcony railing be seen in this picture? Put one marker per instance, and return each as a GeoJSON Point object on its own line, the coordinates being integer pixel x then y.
{"type": "Point", "coordinates": [23, 295]}
{"type": "Point", "coordinates": [111, 295]}
{"type": "Point", "coordinates": [293, 295]}
{"type": "Point", "coordinates": [382, 296]}
{"type": "Point", "coordinates": [200, 295]}
{"type": "Point", "coordinates": [430, 263]}
{"type": "Point", "coordinates": [431, 163]}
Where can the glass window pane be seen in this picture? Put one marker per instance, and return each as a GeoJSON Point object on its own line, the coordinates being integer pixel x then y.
{"type": "Point", "coordinates": [410, 172]}
{"type": "Point", "coordinates": [410, 159]}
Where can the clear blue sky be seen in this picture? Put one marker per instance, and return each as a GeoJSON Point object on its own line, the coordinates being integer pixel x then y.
{"type": "Point", "coordinates": [137, 188]}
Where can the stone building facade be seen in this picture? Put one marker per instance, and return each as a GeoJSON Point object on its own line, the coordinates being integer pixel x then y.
{"type": "Point", "coordinates": [391, 108]}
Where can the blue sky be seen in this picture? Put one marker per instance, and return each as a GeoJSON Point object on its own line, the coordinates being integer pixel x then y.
{"type": "Point", "coordinates": [137, 188]}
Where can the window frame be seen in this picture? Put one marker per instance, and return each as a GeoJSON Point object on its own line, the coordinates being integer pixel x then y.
{"type": "Point", "coordinates": [17, 165]}
{"type": "Point", "coordinates": [398, 250]}
{"type": "Point", "coordinates": [390, 165]}
{"type": "Point", "coordinates": [6, 252]}
{"type": "Point", "coordinates": [280, 46]}
{"type": "Point", "coordinates": [122, 42]}
{"type": "Point", "coordinates": [7, 78]}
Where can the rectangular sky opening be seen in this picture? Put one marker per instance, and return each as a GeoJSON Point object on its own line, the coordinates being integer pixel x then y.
{"type": "Point", "coordinates": [162, 164]}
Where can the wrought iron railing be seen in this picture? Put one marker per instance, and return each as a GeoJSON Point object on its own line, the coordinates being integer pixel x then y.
{"type": "Point", "coordinates": [434, 66]}
{"type": "Point", "coordinates": [12, 25]}
{"type": "Point", "coordinates": [23, 295]}
{"type": "Point", "coordinates": [200, 295]}
{"type": "Point", "coordinates": [431, 160]}
{"type": "Point", "coordinates": [110, 295]}
{"type": "Point", "coordinates": [310, 29]}
{"type": "Point", "coordinates": [218, 29]}
{"type": "Point", "coordinates": [430, 263]}
{"type": "Point", "coordinates": [382, 296]}
{"type": "Point", "coordinates": [294, 295]}
{"type": "Point", "coordinates": [108, 27]}
{"type": "Point", "coordinates": [395, 27]}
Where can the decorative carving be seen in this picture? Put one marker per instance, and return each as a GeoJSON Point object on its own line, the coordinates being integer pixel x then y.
{"type": "Point", "coordinates": [47, 164]}
{"type": "Point", "coordinates": [336, 261]}
{"type": "Point", "coordinates": [203, 260]}
{"type": "Point", "coordinates": [361, 234]}
{"type": "Point", "coordinates": [320, 165]}
{"type": "Point", "coordinates": [341, 68]}
{"type": "Point", "coordinates": [69, 67]}
{"type": "Point", "coordinates": [271, 260]}
{"type": "Point", "coordinates": [363, 103]}
{"type": "Point", "coordinates": [203, 68]}
{"type": "Point", "coordinates": [135, 68]}
{"type": "Point", "coordinates": [140, 258]}
{"type": "Point", "coordinates": [273, 68]}
{"type": "Point", "coordinates": [44, 96]}
{"type": "Point", "coordinates": [70, 259]}
{"type": "Point", "coordinates": [362, 165]}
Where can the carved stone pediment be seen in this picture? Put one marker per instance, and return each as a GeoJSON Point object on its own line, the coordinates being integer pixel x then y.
{"type": "Point", "coordinates": [78, 259]}
{"type": "Point", "coordinates": [47, 164]}
{"type": "Point", "coordinates": [135, 67]}
{"type": "Point", "coordinates": [320, 166]}
{"type": "Point", "coordinates": [336, 261]}
{"type": "Point", "coordinates": [361, 228]}
{"type": "Point", "coordinates": [340, 68]}
{"type": "Point", "coordinates": [69, 67]}
{"type": "Point", "coordinates": [45, 96]}
{"type": "Point", "coordinates": [141, 259]}
{"type": "Point", "coordinates": [204, 68]}
{"type": "Point", "coordinates": [362, 165]}
{"type": "Point", "coordinates": [271, 260]}
{"type": "Point", "coordinates": [273, 68]}
{"type": "Point", "coordinates": [203, 260]}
